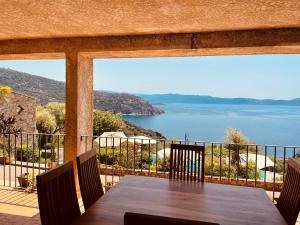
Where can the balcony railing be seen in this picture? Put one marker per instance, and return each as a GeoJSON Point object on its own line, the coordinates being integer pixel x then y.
{"type": "Point", "coordinates": [23, 156]}
{"type": "Point", "coordinates": [250, 165]}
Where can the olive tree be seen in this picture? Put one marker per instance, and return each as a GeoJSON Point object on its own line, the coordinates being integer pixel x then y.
{"type": "Point", "coordinates": [57, 109]}
{"type": "Point", "coordinates": [45, 121]}
{"type": "Point", "coordinates": [105, 121]}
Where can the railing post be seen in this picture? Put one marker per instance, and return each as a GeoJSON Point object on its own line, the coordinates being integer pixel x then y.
{"type": "Point", "coordinates": [79, 104]}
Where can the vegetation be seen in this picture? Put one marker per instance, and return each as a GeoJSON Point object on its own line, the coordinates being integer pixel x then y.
{"type": "Point", "coordinates": [45, 121]}
{"type": "Point", "coordinates": [237, 143]}
{"type": "Point", "coordinates": [106, 122]}
{"type": "Point", "coordinates": [133, 130]}
{"type": "Point", "coordinates": [57, 109]}
{"type": "Point", "coordinates": [27, 153]}
{"type": "Point", "coordinates": [217, 162]}
{"type": "Point", "coordinates": [51, 118]}
{"type": "Point", "coordinates": [4, 90]}
{"type": "Point", "coordinates": [7, 125]}
{"type": "Point", "coordinates": [31, 178]}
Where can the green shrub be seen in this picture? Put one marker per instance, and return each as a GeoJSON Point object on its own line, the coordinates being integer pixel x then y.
{"type": "Point", "coordinates": [44, 160]}
{"type": "Point", "coordinates": [105, 122]}
{"type": "Point", "coordinates": [233, 172]}
{"type": "Point", "coordinates": [27, 154]}
{"type": "Point", "coordinates": [50, 146]}
{"type": "Point", "coordinates": [129, 159]}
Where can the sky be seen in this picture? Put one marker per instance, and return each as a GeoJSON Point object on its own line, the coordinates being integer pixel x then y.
{"type": "Point", "coordinates": [256, 76]}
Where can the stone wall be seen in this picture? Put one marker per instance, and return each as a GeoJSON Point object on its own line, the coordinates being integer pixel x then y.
{"type": "Point", "coordinates": [23, 107]}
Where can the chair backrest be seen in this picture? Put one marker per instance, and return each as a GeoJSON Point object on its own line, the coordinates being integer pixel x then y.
{"type": "Point", "coordinates": [89, 178]}
{"type": "Point", "coordinates": [187, 162]}
{"type": "Point", "coordinates": [289, 200]}
{"type": "Point", "coordinates": [57, 196]}
{"type": "Point", "coordinates": [138, 219]}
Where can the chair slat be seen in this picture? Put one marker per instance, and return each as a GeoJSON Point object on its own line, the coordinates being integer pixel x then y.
{"type": "Point", "coordinates": [89, 178]}
{"type": "Point", "coordinates": [138, 219]}
{"type": "Point", "coordinates": [289, 200]}
{"type": "Point", "coordinates": [185, 163]}
{"type": "Point", "coordinates": [57, 196]}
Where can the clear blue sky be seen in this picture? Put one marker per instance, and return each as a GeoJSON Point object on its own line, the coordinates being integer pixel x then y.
{"type": "Point", "coordinates": [268, 76]}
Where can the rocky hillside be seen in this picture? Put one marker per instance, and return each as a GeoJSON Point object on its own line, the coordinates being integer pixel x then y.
{"type": "Point", "coordinates": [47, 90]}
{"type": "Point", "coordinates": [132, 130]}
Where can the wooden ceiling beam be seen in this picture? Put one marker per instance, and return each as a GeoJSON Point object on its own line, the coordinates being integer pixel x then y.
{"type": "Point", "coordinates": [271, 41]}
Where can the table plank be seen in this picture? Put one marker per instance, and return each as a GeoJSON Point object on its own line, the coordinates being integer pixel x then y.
{"type": "Point", "coordinates": [223, 204]}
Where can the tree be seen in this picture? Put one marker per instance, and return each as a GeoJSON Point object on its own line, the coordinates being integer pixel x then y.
{"type": "Point", "coordinates": [57, 109]}
{"type": "Point", "coordinates": [7, 125]}
{"type": "Point", "coordinates": [105, 121]}
{"type": "Point", "coordinates": [51, 119]}
{"type": "Point", "coordinates": [236, 141]}
{"type": "Point", "coordinates": [45, 121]}
{"type": "Point", "coordinates": [236, 137]}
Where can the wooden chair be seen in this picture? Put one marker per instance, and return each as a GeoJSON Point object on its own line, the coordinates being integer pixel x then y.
{"type": "Point", "coordinates": [57, 196]}
{"type": "Point", "coordinates": [289, 200]}
{"type": "Point", "coordinates": [187, 162]}
{"type": "Point", "coordinates": [138, 219]}
{"type": "Point", "coordinates": [89, 178]}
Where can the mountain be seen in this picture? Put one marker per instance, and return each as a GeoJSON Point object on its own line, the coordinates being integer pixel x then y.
{"type": "Point", "coordinates": [204, 99]}
{"type": "Point", "coordinates": [47, 90]}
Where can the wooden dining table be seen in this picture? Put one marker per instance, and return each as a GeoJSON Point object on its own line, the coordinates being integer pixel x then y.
{"type": "Point", "coordinates": [222, 204]}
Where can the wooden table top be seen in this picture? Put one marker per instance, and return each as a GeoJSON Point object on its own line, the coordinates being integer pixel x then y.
{"type": "Point", "coordinates": [223, 204]}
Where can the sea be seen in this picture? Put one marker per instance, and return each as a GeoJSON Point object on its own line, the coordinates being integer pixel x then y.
{"type": "Point", "coordinates": [263, 124]}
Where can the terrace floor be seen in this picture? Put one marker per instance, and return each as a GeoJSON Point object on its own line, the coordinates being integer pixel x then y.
{"type": "Point", "coordinates": [20, 208]}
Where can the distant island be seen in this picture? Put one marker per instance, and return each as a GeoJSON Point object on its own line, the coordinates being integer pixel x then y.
{"type": "Point", "coordinates": [48, 90]}
{"type": "Point", "coordinates": [159, 99]}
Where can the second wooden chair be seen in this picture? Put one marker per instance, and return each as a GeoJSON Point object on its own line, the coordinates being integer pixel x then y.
{"type": "Point", "coordinates": [89, 178]}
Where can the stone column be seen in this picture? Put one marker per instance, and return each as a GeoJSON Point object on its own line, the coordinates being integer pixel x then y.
{"type": "Point", "coordinates": [79, 104]}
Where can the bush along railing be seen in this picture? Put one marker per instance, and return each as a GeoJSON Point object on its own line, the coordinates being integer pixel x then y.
{"type": "Point", "coordinates": [24, 155]}
{"type": "Point", "coordinates": [251, 165]}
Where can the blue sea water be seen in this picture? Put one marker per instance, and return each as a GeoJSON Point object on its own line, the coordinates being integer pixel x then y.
{"type": "Point", "coordinates": [263, 124]}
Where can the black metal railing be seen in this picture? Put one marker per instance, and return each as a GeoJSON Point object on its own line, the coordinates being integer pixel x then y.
{"type": "Point", "coordinates": [227, 163]}
{"type": "Point", "coordinates": [24, 155]}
